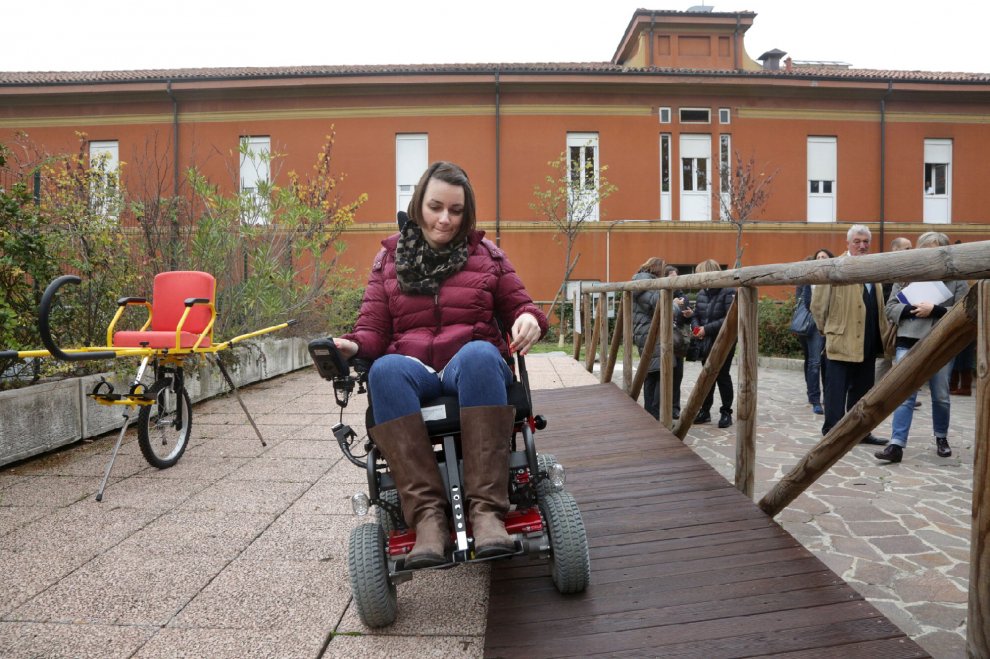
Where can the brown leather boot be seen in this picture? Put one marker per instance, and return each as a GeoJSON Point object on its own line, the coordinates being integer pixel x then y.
{"type": "Point", "coordinates": [966, 384]}
{"type": "Point", "coordinates": [485, 434]}
{"type": "Point", "coordinates": [406, 446]}
{"type": "Point", "coordinates": [955, 377]}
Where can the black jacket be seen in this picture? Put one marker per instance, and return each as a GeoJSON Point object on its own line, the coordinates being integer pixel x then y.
{"type": "Point", "coordinates": [712, 306]}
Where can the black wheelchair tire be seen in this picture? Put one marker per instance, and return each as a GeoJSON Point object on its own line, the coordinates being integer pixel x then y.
{"type": "Point", "coordinates": [570, 562]}
{"type": "Point", "coordinates": [384, 519]}
{"type": "Point", "coordinates": [148, 420]}
{"type": "Point", "coordinates": [373, 592]}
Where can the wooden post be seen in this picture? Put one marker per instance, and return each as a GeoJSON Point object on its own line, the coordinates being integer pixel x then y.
{"type": "Point", "coordinates": [644, 358]}
{"type": "Point", "coordinates": [625, 316]}
{"type": "Point", "coordinates": [578, 331]}
{"type": "Point", "coordinates": [953, 333]}
{"type": "Point", "coordinates": [709, 372]}
{"type": "Point", "coordinates": [978, 623]}
{"type": "Point", "coordinates": [602, 334]}
{"type": "Point", "coordinates": [613, 347]}
{"type": "Point", "coordinates": [746, 383]}
{"type": "Point", "coordinates": [591, 350]}
{"type": "Point", "coordinates": [666, 306]}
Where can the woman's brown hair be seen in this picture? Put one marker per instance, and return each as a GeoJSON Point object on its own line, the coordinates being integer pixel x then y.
{"type": "Point", "coordinates": [453, 174]}
{"type": "Point", "coordinates": [655, 266]}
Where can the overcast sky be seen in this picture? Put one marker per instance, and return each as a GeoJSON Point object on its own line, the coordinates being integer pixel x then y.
{"type": "Point", "coordinates": [86, 35]}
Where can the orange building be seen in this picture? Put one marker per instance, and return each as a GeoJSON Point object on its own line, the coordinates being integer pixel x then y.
{"type": "Point", "coordinates": [900, 151]}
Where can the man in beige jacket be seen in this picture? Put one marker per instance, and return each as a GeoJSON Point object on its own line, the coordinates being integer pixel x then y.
{"type": "Point", "coordinates": [852, 320]}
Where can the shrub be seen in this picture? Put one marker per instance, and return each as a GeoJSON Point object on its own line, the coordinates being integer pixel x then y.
{"type": "Point", "coordinates": [776, 338]}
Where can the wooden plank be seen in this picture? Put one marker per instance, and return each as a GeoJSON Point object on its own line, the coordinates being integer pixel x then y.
{"type": "Point", "coordinates": [978, 621]}
{"type": "Point", "coordinates": [683, 564]}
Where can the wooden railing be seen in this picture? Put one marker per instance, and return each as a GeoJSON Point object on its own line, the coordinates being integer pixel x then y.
{"type": "Point", "coordinates": [966, 321]}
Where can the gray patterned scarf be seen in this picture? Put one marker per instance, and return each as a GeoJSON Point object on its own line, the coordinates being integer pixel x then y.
{"type": "Point", "coordinates": [420, 268]}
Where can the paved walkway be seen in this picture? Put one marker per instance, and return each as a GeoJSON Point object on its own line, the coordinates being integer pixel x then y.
{"type": "Point", "coordinates": [240, 550]}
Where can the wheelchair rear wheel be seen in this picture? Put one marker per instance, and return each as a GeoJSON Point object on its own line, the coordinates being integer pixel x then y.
{"type": "Point", "coordinates": [373, 592]}
{"type": "Point", "coordinates": [570, 563]}
{"type": "Point", "coordinates": [164, 426]}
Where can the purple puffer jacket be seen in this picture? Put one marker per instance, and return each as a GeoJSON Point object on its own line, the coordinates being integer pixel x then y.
{"type": "Point", "coordinates": [433, 328]}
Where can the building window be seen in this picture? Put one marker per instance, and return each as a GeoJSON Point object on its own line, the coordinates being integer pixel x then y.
{"type": "Point", "coordinates": [582, 163]}
{"type": "Point", "coordinates": [104, 163]}
{"type": "Point", "coordinates": [695, 116]}
{"type": "Point", "coordinates": [724, 116]}
{"type": "Point", "coordinates": [822, 156]}
{"type": "Point", "coordinates": [665, 115]}
{"type": "Point", "coordinates": [665, 197]}
{"type": "Point", "coordinates": [725, 176]}
{"type": "Point", "coordinates": [255, 171]}
{"type": "Point", "coordinates": [937, 184]}
{"type": "Point", "coordinates": [411, 160]}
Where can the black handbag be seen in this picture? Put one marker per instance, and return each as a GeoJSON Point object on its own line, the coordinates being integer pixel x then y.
{"type": "Point", "coordinates": [802, 320]}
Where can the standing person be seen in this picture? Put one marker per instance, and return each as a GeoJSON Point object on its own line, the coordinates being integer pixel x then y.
{"type": "Point", "coordinates": [682, 317]}
{"type": "Point", "coordinates": [644, 305]}
{"type": "Point", "coordinates": [429, 320]}
{"type": "Point", "coordinates": [711, 308]}
{"type": "Point", "coordinates": [883, 366]}
{"type": "Point", "coordinates": [812, 343]}
{"type": "Point", "coordinates": [851, 316]}
{"type": "Point", "coordinates": [915, 322]}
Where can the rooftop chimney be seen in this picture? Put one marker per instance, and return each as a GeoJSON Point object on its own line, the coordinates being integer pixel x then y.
{"type": "Point", "coordinates": [771, 59]}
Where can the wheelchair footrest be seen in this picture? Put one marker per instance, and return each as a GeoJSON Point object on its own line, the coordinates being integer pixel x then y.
{"type": "Point", "coordinates": [120, 399]}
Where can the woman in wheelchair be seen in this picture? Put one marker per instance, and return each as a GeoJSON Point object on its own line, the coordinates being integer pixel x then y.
{"type": "Point", "coordinates": [430, 321]}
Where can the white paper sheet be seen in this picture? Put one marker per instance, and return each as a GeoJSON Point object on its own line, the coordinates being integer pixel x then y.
{"type": "Point", "coordinates": [924, 291]}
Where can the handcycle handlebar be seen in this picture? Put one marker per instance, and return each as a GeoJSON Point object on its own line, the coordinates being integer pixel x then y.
{"type": "Point", "coordinates": [44, 328]}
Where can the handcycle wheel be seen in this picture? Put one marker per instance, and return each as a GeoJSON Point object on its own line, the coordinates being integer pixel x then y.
{"type": "Point", "coordinates": [384, 518]}
{"type": "Point", "coordinates": [373, 592]}
{"type": "Point", "coordinates": [164, 426]}
{"type": "Point", "coordinates": [544, 460]}
{"type": "Point", "coordinates": [570, 564]}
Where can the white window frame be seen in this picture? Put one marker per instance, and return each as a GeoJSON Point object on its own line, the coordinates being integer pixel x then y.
{"type": "Point", "coordinates": [937, 200]}
{"type": "Point", "coordinates": [822, 186]}
{"type": "Point", "coordinates": [666, 176]}
{"type": "Point", "coordinates": [724, 116]}
{"type": "Point", "coordinates": [412, 157]}
{"type": "Point", "coordinates": [724, 175]}
{"type": "Point", "coordinates": [580, 145]}
{"type": "Point", "coordinates": [707, 111]}
{"type": "Point", "coordinates": [664, 115]}
{"type": "Point", "coordinates": [255, 169]}
{"type": "Point", "coordinates": [104, 156]}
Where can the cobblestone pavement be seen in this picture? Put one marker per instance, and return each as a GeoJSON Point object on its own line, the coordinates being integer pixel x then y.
{"type": "Point", "coordinates": [899, 534]}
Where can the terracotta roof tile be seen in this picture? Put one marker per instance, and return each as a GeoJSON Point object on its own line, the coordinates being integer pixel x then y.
{"type": "Point", "coordinates": [47, 78]}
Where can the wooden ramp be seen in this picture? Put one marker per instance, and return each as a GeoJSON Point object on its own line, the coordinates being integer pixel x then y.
{"type": "Point", "coordinates": [682, 564]}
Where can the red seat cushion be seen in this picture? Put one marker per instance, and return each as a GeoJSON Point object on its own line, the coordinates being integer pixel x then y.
{"type": "Point", "coordinates": [158, 339]}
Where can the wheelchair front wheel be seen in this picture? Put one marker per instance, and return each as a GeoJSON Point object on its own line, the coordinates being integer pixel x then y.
{"type": "Point", "coordinates": [164, 426]}
{"type": "Point", "coordinates": [373, 592]}
{"type": "Point", "coordinates": [384, 518]}
{"type": "Point", "coordinates": [570, 563]}
{"type": "Point", "coordinates": [544, 461]}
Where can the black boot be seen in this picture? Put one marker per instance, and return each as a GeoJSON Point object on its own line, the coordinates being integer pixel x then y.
{"type": "Point", "coordinates": [704, 416]}
{"type": "Point", "coordinates": [890, 453]}
{"type": "Point", "coordinates": [725, 420]}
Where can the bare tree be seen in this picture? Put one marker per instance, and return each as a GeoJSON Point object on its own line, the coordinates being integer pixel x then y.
{"type": "Point", "coordinates": [744, 191]}
{"type": "Point", "coordinates": [571, 198]}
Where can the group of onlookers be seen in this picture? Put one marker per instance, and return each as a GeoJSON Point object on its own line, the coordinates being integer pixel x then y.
{"type": "Point", "coordinates": [854, 326]}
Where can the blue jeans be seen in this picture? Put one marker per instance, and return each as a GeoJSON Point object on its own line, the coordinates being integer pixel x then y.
{"type": "Point", "coordinates": [477, 375]}
{"type": "Point", "coordinates": [939, 385]}
{"type": "Point", "coordinates": [813, 344]}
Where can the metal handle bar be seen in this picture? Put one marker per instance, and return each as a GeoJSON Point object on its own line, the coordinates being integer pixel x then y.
{"type": "Point", "coordinates": [45, 331]}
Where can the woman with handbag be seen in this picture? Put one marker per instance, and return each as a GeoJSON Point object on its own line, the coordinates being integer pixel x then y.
{"type": "Point", "coordinates": [644, 304]}
{"type": "Point", "coordinates": [812, 341]}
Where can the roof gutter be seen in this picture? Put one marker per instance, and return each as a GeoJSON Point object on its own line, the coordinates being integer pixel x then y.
{"type": "Point", "coordinates": [883, 161]}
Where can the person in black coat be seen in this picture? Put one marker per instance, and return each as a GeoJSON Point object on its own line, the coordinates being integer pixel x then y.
{"type": "Point", "coordinates": [644, 304]}
{"type": "Point", "coordinates": [712, 306]}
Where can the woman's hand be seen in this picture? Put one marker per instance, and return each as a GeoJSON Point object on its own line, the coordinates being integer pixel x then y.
{"type": "Point", "coordinates": [699, 331]}
{"type": "Point", "coordinates": [525, 332]}
{"type": "Point", "coordinates": [923, 309]}
{"type": "Point", "coordinates": [346, 347]}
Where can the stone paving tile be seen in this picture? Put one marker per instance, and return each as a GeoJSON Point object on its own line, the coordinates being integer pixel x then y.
{"type": "Point", "coordinates": [270, 595]}
{"type": "Point", "coordinates": [387, 647]}
{"type": "Point", "coordinates": [28, 574]}
{"type": "Point", "coordinates": [246, 496]}
{"type": "Point", "coordinates": [121, 588]}
{"type": "Point", "coordinates": [271, 468]}
{"type": "Point", "coordinates": [300, 536]}
{"type": "Point", "coordinates": [287, 642]}
{"type": "Point", "coordinates": [30, 640]}
{"type": "Point", "coordinates": [221, 535]}
{"type": "Point", "coordinates": [159, 494]}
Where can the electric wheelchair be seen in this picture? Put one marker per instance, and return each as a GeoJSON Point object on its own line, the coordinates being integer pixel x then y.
{"type": "Point", "coordinates": [544, 519]}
